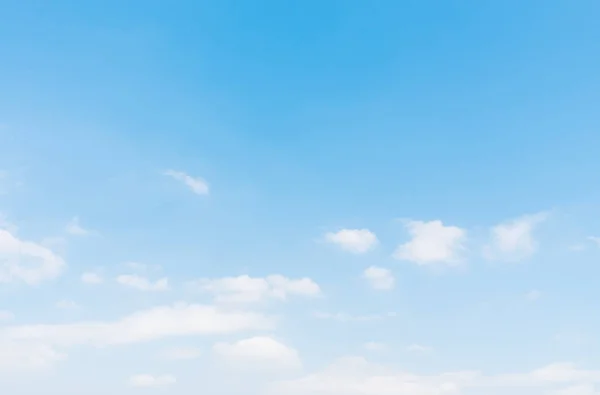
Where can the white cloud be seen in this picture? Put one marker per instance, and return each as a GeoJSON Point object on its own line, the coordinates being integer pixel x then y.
{"type": "Point", "coordinates": [182, 353]}
{"type": "Point", "coordinates": [379, 278]}
{"type": "Point", "coordinates": [513, 240]}
{"type": "Point", "coordinates": [67, 305]}
{"type": "Point", "coordinates": [26, 356]}
{"type": "Point", "coordinates": [6, 315]}
{"type": "Point", "coordinates": [196, 184]}
{"type": "Point", "coordinates": [432, 242]}
{"type": "Point", "coordinates": [345, 317]}
{"type": "Point", "coordinates": [419, 349]}
{"type": "Point", "coordinates": [246, 289]}
{"type": "Point", "coordinates": [26, 261]}
{"type": "Point", "coordinates": [261, 351]}
{"type": "Point", "coordinates": [74, 228]}
{"type": "Point", "coordinates": [148, 380]}
{"type": "Point", "coordinates": [91, 278]}
{"type": "Point", "coordinates": [142, 283]}
{"type": "Point", "coordinates": [357, 376]}
{"type": "Point", "coordinates": [374, 346]}
{"type": "Point", "coordinates": [357, 241]}
{"type": "Point", "coordinates": [143, 326]}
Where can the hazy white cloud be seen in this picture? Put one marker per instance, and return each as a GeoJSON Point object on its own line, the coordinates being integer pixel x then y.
{"type": "Point", "coordinates": [148, 380]}
{"type": "Point", "coordinates": [595, 240]}
{"type": "Point", "coordinates": [91, 278]}
{"type": "Point", "coordinates": [246, 289]}
{"type": "Point", "coordinates": [147, 325]}
{"type": "Point", "coordinates": [74, 228]}
{"type": "Point", "coordinates": [375, 346]}
{"type": "Point", "coordinates": [26, 261]}
{"type": "Point", "coordinates": [26, 356]}
{"type": "Point", "coordinates": [259, 351]}
{"type": "Point", "coordinates": [6, 315]}
{"type": "Point", "coordinates": [379, 278]}
{"type": "Point", "coordinates": [432, 243]}
{"type": "Point", "coordinates": [182, 353]}
{"type": "Point", "coordinates": [142, 283]}
{"type": "Point", "coordinates": [532, 295]}
{"type": "Point", "coordinates": [357, 241]}
{"type": "Point", "coordinates": [196, 184]}
{"type": "Point", "coordinates": [419, 349]}
{"type": "Point", "coordinates": [67, 305]}
{"type": "Point", "coordinates": [346, 317]}
{"type": "Point", "coordinates": [513, 240]}
{"type": "Point", "coordinates": [357, 376]}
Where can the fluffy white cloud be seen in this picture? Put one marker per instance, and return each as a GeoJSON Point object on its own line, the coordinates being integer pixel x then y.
{"type": "Point", "coordinates": [148, 380]}
{"type": "Point", "coordinates": [431, 243]}
{"type": "Point", "coordinates": [181, 353]}
{"type": "Point", "coordinates": [196, 184]}
{"type": "Point", "coordinates": [261, 351]}
{"type": "Point", "coordinates": [513, 240]}
{"type": "Point", "coordinates": [91, 278]}
{"type": "Point", "coordinates": [74, 228]}
{"type": "Point", "coordinates": [379, 278]}
{"type": "Point", "coordinates": [357, 376]}
{"type": "Point", "coordinates": [246, 289]}
{"type": "Point", "coordinates": [26, 261]}
{"type": "Point", "coordinates": [357, 241]}
{"type": "Point", "coordinates": [147, 325]}
{"type": "Point", "coordinates": [142, 283]}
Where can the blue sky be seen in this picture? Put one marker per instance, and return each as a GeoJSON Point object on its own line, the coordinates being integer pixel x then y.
{"type": "Point", "coordinates": [316, 197]}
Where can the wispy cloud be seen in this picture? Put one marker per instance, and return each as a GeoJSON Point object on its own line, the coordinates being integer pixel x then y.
{"type": "Point", "coordinates": [198, 185]}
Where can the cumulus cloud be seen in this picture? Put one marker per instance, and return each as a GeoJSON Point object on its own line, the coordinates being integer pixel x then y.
{"type": "Point", "coordinates": [379, 278]}
{"type": "Point", "coordinates": [141, 283]}
{"type": "Point", "coordinates": [143, 326]}
{"type": "Point", "coordinates": [26, 261]}
{"type": "Point", "coordinates": [91, 278]}
{"type": "Point", "coordinates": [357, 241]}
{"type": "Point", "coordinates": [259, 351]}
{"type": "Point", "coordinates": [27, 356]}
{"type": "Point", "coordinates": [432, 243]}
{"type": "Point", "coordinates": [246, 289]}
{"type": "Point", "coordinates": [513, 240]}
{"type": "Point", "coordinates": [196, 184]}
{"type": "Point", "coordinates": [148, 380]}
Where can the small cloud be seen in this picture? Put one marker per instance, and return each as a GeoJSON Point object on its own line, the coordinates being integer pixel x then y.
{"type": "Point", "coordinates": [259, 351]}
{"type": "Point", "coordinates": [375, 346]}
{"type": "Point", "coordinates": [357, 241]}
{"type": "Point", "coordinates": [142, 283]}
{"type": "Point", "coordinates": [182, 353]}
{"type": "Point", "coordinates": [74, 228]}
{"type": "Point", "coordinates": [148, 380]}
{"type": "Point", "coordinates": [379, 278]}
{"type": "Point", "coordinates": [533, 295]}
{"type": "Point", "coordinates": [91, 278]}
{"type": "Point", "coordinates": [67, 305]}
{"type": "Point", "coordinates": [419, 349]}
{"type": "Point", "coordinates": [198, 185]}
{"type": "Point", "coordinates": [6, 315]}
{"type": "Point", "coordinates": [595, 240]}
{"type": "Point", "coordinates": [431, 243]}
{"type": "Point", "coordinates": [513, 240]}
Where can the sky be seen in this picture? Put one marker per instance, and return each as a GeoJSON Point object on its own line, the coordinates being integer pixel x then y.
{"type": "Point", "coordinates": [333, 197]}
